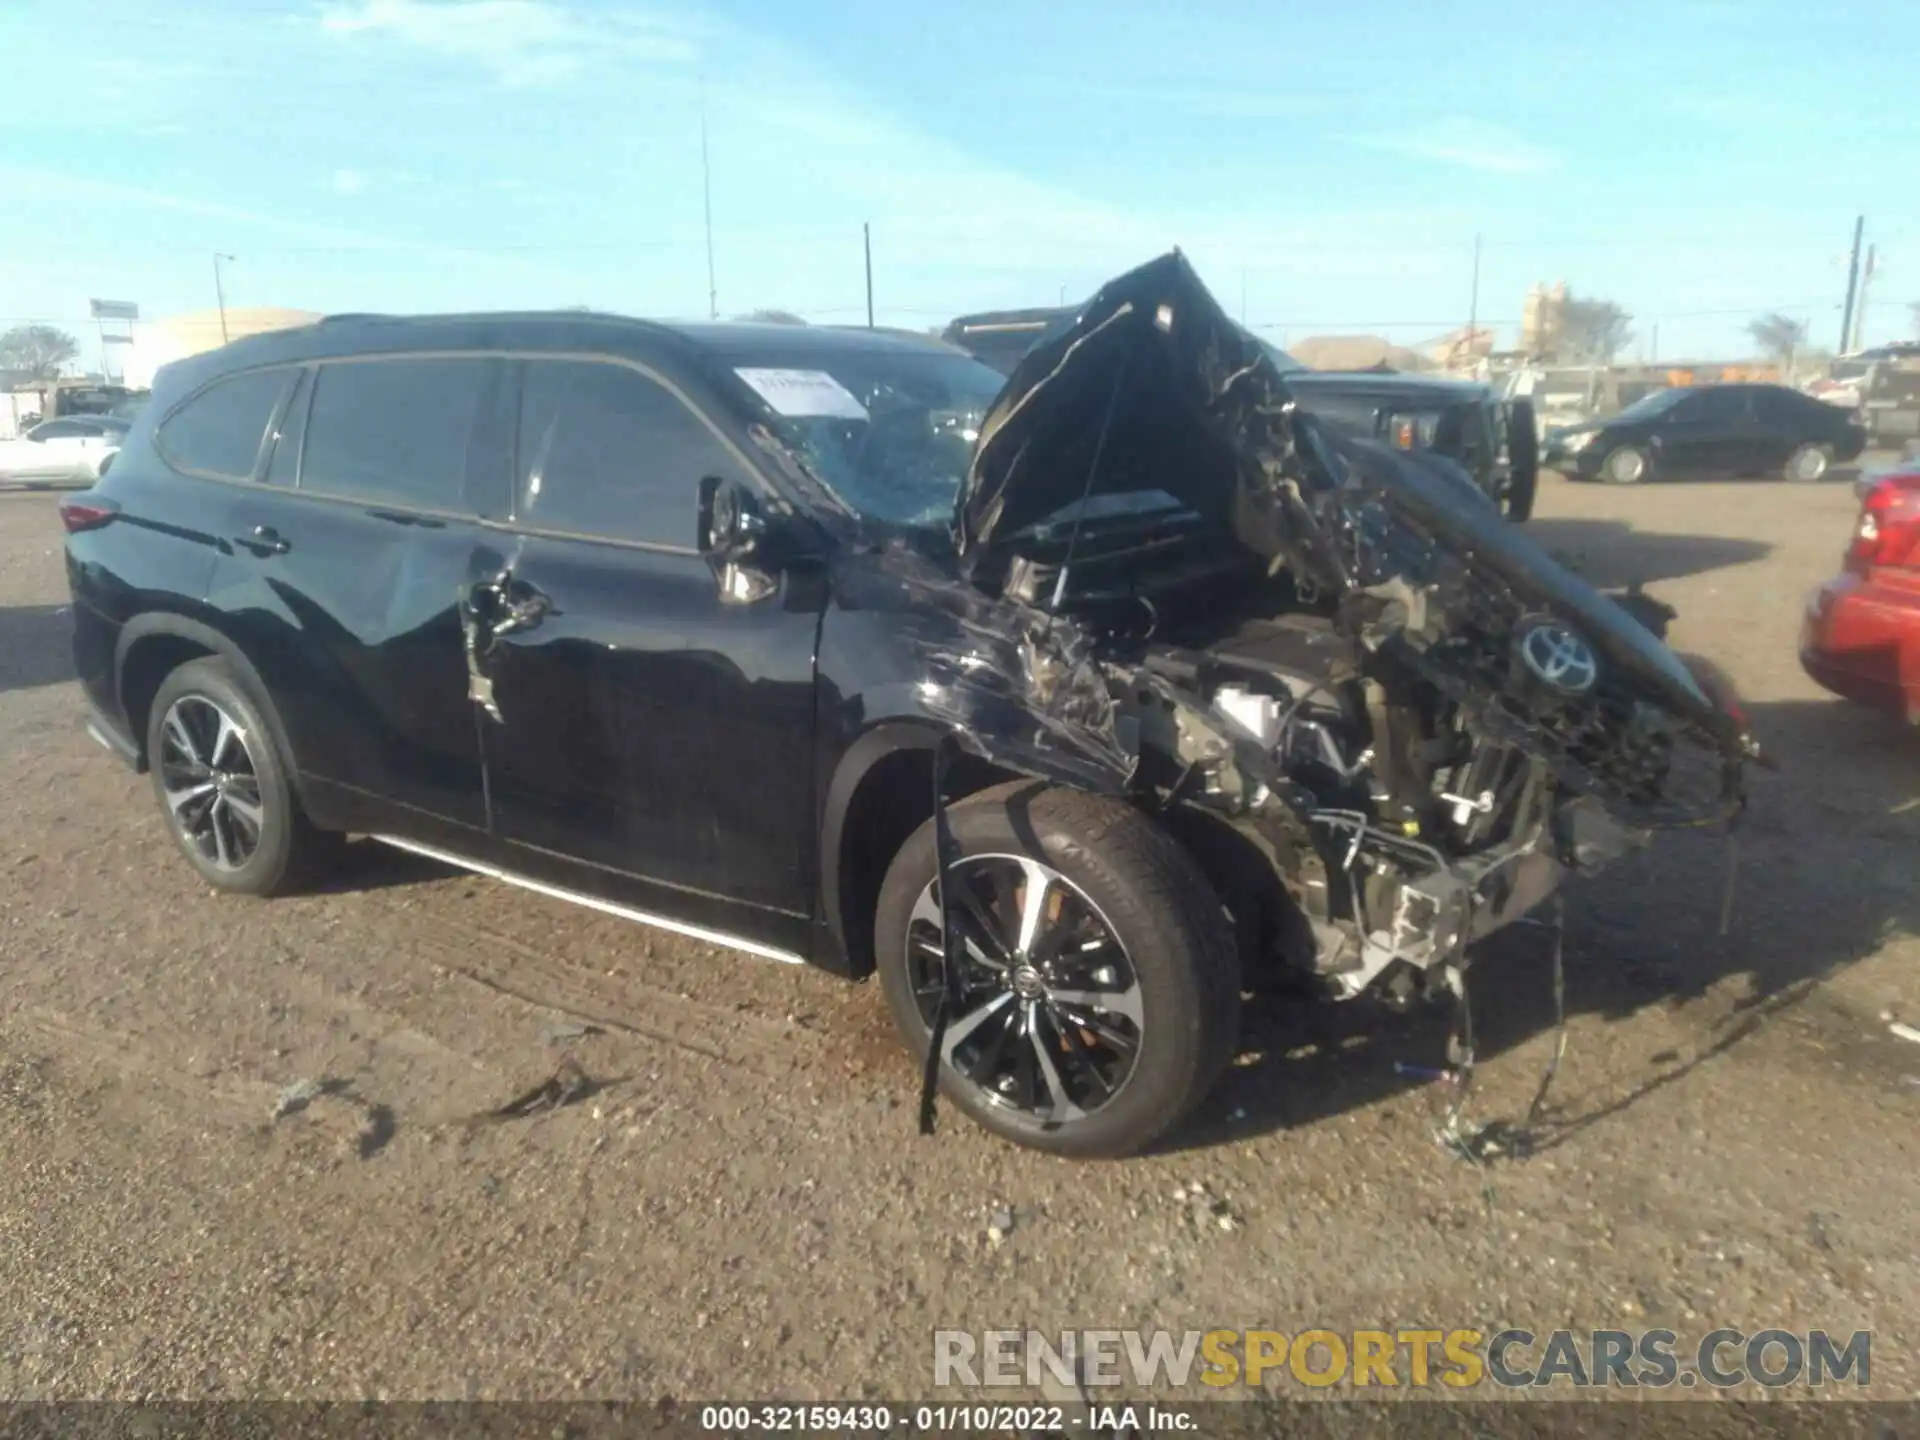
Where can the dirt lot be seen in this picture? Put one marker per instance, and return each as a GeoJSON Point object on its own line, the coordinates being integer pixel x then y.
{"type": "Point", "coordinates": [745, 1210]}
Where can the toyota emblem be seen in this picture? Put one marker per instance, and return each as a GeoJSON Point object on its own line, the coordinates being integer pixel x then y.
{"type": "Point", "coordinates": [1559, 657]}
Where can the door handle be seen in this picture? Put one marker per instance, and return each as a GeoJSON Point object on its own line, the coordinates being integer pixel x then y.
{"type": "Point", "coordinates": [264, 540]}
{"type": "Point", "coordinates": [507, 606]}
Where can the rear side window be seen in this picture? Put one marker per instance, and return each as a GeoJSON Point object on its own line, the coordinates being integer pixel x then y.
{"type": "Point", "coordinates": [1720, 405]}
{"type": "Point", "coordinates": [395, 431]}
{"type": "Point", "coordinates": [220, 430]}
{"type": "Point", "coordinates": [59, 430]}
{"type": "Point", "coordinates": [606, 451]}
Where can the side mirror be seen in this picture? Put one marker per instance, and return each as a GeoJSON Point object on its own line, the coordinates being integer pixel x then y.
{"type": "Point", "coordinates": [731, 528]}
{"type": "Point", "coordinates": [745, 547]}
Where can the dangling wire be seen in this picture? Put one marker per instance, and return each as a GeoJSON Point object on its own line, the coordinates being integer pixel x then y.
{"type": "Point", "coordinates": [944, 861]}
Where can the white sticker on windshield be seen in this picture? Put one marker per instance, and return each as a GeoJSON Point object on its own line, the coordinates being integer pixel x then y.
{"type": "Point", "coordinates": [805, 393]}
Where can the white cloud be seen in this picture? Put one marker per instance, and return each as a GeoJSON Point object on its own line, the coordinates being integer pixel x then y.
{"type": "Point", "coordinates": [522, 42]}
{"type": "Point", "coordinates": [348, 182]}
{"type": "Point", "coordinates": [30, 184]}
{"type": "Point", "coordinates": [1475, 144]}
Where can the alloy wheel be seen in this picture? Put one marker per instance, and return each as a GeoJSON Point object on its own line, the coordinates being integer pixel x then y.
{"type": "Point", "coordinates": [1810, 463]}
{"type": "Point", "coordinates": [1049, 1018]}
{"type": "Point", "coordinates": [211, 786]}
{"type": "Point", "coordinates": [1626, 466]}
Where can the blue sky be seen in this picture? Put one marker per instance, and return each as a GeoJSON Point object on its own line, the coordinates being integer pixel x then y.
{"type": "Point", "coordinates": [1326, 166]}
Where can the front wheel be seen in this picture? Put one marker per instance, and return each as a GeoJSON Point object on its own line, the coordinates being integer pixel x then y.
{"type": "Point", "coordinates": [1099, 986]}
{"type": "Point", "coordinates": [1626, 466]}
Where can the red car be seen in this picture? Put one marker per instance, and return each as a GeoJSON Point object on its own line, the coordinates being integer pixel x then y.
{"type": "Point", "coordinates": [1861, 635]}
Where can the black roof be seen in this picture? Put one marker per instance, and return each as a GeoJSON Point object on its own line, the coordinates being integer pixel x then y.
{"type": "Point", "coordinates": [732, 342]}
{"type": "Point", "coordinates": [1034, 319]}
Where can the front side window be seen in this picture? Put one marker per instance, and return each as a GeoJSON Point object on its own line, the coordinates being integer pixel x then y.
{"type": "Point", "coordinates": [57, 430]}
{"type": "Point", "coordinates": [219, 432]}
{"type": "Point", "coordinates": [394, 431]}
{"type": "Point", "coordinates": [607, 451]}
{"type": "Point", "coordinates": [1675, 402]}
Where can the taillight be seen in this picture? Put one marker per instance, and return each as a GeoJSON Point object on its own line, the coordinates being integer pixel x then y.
{"type": "Point", "coordinates": [86, 512]}
{"type": "Point", "coordinates": [1888, 535]}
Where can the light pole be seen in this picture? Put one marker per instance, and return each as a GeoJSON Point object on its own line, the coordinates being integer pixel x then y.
{"type": "Point", "coordinates": [220, 292]}
{"type": "Point", "coordinates": [706, 205]}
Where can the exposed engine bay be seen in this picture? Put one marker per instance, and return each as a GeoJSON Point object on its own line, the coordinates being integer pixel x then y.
{"type": "Point", "coordinates": [1387, 722]}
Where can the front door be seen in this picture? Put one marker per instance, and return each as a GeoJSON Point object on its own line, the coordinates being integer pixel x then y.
{"type": "Point", "coordinates": [653, 738]}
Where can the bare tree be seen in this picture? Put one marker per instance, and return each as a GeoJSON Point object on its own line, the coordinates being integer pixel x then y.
{"type": "Point", "coordinates": [773, 317]}
{"type": "Point", "coordinates": [1592, 331]}
{"type": "Point", "coordinates": [1913, 313]}
{"type": "Point", "coordinates": [1780, 337]}
{"type": "Point", "coordinates": [37, 350]}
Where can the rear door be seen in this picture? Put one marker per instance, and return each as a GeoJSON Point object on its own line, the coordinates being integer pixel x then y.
{"type": "Point", "coordinates": [343, 577]}
{"type": "Point", "coordinates": [651, 735]}
{"type": "Point", "coordinates": [1706, 433]}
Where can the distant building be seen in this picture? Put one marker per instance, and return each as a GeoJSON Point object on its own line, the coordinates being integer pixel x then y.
{"type": "Point", "coordinates": [1356, 352]}
{"type": "Point", "coordinates": [160, 342]}
{"type": "Point", "coordinates": [1541, 316]}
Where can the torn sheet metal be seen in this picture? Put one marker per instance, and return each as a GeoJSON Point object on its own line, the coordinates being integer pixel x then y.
{"type": "Point", "coordinates": [1451, 592]}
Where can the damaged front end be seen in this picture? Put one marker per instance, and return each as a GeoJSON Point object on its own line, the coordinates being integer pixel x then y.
{"type": "Point", "coordinates": [1386, 721]}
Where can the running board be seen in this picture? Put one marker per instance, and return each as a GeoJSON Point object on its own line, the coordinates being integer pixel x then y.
{"type": "Point", "coordinates": [592, 902]}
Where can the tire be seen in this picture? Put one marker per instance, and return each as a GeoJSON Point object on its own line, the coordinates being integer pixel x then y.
{"type": "Point", "coordinates": [1628, 465]}
{"type": "Point", "coordinates": [224, 790]}
{"type": "Point", "coordinates": [1809, 464]}
{"type": "Point", "coordinates": [1523, 460]}
{"type": "Point", "coordinates": [1112, 867]}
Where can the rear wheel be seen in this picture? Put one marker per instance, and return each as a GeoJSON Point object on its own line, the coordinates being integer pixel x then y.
{"type": "Point", "coordinates": [1626, 466]}
{"type": "Point", "coordinates": [224, 789]}
{"type": "Point", "coordinates": [1099, 986]}
{"type": "Point", "coordinates": [1809, 464]}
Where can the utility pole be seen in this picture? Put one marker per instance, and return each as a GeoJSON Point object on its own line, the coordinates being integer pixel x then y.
{"type": "Point", "coordinates": [706, 200]}
{"type": "Point", "coordinates": [1654, 359]}
{"type": "Point", "coordinates": [866, 239]}
{"type": "Point", "coordinates": [1473, 305]}
{"type": "Point", "coordinates": [1860, 309]}
{"type": "Point", "coordinates": [1243, 297]}
{"type": "Point", "coordinates": [220, 293]}
{"type": "Point", "coordinates": [1853, 283]}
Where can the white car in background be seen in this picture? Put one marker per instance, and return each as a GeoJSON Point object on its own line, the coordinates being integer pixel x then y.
{"type": "Point", "coordinates": [72, 449]}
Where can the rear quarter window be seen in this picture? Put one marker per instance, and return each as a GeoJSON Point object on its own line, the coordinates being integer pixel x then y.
{"type": "Point", "coordinates": [220, 431]}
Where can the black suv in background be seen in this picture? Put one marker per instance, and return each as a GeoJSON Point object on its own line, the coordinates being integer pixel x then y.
{"type": "Point", "coordinates": [1494, 440]}
{"type": "Point", "coordinates": [1069, 704]}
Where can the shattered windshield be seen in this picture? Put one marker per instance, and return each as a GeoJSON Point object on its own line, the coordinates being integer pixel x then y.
{"type": "Point", "coordinates": [890, 433]}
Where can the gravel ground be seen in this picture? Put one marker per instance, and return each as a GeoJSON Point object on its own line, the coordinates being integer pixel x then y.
{"type": "Point", "coordinates": [743, 1207]}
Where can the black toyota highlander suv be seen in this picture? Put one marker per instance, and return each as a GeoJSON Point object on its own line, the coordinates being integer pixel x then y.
{"type": "Point", "coordinates": [1067, 703]}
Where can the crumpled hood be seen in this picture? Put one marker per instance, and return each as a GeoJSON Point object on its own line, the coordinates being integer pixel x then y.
{"type": "Point", "coordinates": [1154, 387]}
